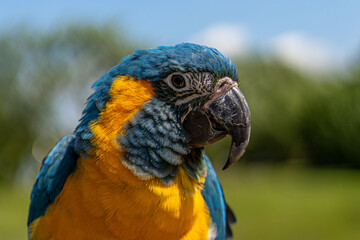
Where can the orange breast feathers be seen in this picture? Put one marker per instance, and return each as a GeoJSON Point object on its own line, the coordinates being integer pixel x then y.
{"type": "Point", "coordinates": [102, 199]}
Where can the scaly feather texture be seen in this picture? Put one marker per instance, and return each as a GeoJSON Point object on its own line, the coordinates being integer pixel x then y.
{"type": "Point", "coordinates": [127, 171]}
{"type": "Point", "coordinates": [103, 199]}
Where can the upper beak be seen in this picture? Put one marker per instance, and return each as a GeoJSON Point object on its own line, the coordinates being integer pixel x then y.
{"type": "Point", "coordinates": [227, 113]}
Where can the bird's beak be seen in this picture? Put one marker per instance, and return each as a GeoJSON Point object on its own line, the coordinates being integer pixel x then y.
{"type": "Point", "coordinates": [227, 112]}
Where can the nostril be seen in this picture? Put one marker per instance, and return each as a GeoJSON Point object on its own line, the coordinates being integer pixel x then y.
{"type": "Point", "coordinates": [222, 84]}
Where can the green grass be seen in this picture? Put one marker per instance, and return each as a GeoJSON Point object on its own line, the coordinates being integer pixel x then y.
{"type": "Point", "coordinates": [270, 203]}
{"type": "Point", "coordinates": [294, 203]}
{"type": "Point", "coordinates": [14, 205]}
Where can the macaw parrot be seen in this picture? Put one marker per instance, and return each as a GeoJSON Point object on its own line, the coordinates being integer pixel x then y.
{"type": "Point", "coordinates": [135, 167]}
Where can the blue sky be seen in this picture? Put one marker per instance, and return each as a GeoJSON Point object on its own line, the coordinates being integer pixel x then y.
{"type": "Point", "coordinates": [328, 28]}
{"type": "Point", "coordinates": [309, 34]}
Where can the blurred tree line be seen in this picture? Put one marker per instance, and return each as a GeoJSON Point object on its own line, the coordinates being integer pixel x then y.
{"type": "Point", "coordinates": [46, 76]}
{"type": "Point", "coordinates": [302, 118]}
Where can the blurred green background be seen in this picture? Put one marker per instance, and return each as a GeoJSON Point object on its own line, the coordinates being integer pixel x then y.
{"type": "Point", "coordinates": [299, 179]}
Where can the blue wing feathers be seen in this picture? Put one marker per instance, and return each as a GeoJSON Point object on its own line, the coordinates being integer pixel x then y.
{"type": "Point", "coordinates": [55, 169]}
{"type": "Point", "coordinates": [230, 219]}
{"type": "Point", "coordinates": [220, 212]}
{"type": "Point", "coordinates": [61, 160]}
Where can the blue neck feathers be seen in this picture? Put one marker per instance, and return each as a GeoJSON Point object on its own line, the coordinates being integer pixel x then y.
{"type": "Point", "coordinates": [156, 144]}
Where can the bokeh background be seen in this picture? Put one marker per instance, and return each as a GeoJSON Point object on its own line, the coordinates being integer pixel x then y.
{"type": "Point", "coordinates": [299, 67]}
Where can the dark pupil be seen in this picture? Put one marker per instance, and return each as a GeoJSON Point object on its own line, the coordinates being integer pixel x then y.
{"type": "Point", "coordinates": [178, 81]}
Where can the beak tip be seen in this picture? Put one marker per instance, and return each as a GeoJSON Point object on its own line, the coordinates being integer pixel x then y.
{"type": "Point", "coordinates": [227, 165]}
{"type": "Point", "coordinates": [230, 162]}
{"type": "Point", "coordinates": [236, 153]}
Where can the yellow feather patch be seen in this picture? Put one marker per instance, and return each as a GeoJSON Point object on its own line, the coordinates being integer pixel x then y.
{"type": "Point", "coordinates": [103, 199]}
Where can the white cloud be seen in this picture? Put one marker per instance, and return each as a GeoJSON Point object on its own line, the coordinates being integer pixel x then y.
{"type": "Point", "coordinates": [306, 53]}
{"type": "Point", "coordinates": [229, 39]}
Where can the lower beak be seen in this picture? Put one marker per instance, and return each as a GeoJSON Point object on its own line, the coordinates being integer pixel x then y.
{"type": "Point", "coordinates": [226, 114]}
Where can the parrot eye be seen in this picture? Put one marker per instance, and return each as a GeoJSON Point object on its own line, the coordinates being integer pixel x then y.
{"type": "Point", "coordinates": [178, 81]}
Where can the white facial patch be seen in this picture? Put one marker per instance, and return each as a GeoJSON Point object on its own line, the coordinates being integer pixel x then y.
{"type": "Point", "coordinates": [196, 85]}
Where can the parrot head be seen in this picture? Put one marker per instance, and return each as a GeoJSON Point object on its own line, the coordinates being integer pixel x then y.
{"type": "Point", "coordinates": [196, 102]}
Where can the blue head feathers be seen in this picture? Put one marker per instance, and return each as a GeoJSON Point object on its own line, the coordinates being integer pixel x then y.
{"type": "Point", "coordinates": [154, 65]}
{"type": "Point", "coordinates": [157, 64]}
